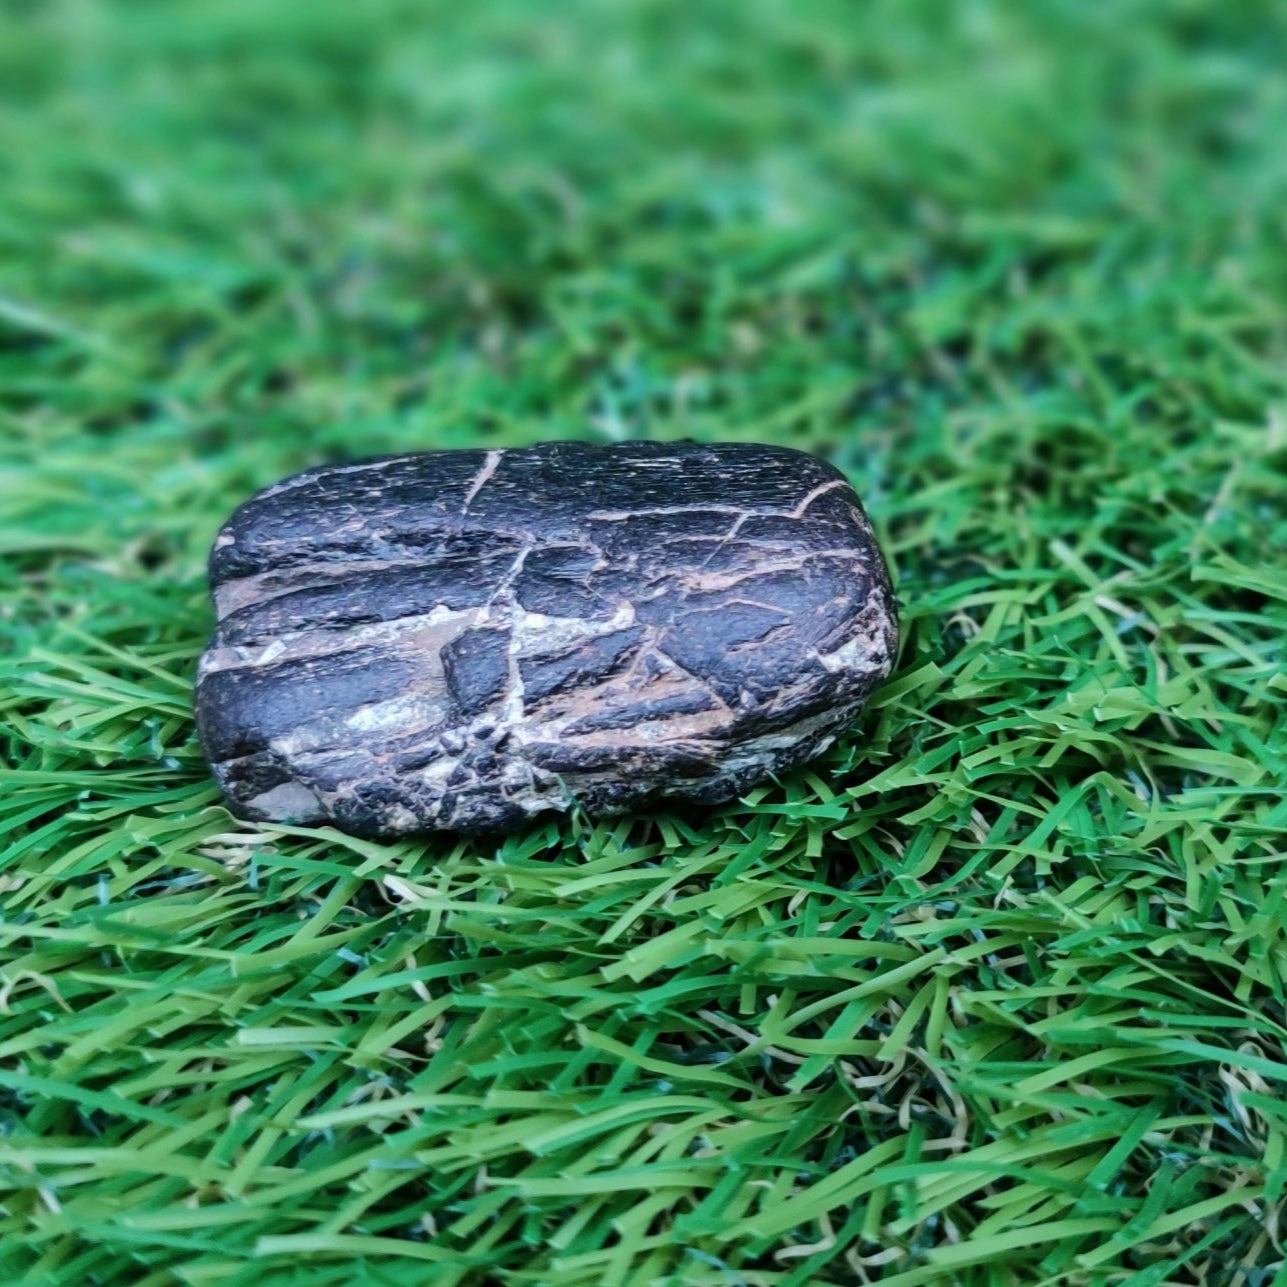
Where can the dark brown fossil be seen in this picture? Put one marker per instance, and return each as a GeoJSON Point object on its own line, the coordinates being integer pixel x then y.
{"type": "Point", "coordinates": [464, 639]}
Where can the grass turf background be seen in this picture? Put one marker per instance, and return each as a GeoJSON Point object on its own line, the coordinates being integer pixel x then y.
{"type": "Point", "coordinates": [991, 994]}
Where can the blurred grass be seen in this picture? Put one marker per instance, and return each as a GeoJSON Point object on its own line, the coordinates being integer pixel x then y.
{"type": "Point", "coordinates": [991, 995]}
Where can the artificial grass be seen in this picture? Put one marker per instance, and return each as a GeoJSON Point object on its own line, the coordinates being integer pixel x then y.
{"type": "Point", "coordinates": [993, 993]}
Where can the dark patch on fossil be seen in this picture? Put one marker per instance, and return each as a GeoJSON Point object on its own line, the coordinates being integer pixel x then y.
{"type": "Point", "coordinates": [245, 708]}
{"type": "Point", "coordinates": [593, 659]}
{"type": "Point", "coordinates": [476, 663]}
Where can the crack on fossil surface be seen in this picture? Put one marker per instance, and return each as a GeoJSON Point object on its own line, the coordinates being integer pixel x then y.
{"type": "Point", "coordinates": [492, 459]}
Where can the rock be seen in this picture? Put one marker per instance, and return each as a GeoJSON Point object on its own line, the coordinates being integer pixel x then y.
{"type": "Point", "coordinates": [464, 639]}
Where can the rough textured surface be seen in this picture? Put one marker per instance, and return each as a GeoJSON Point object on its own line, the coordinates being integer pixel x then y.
{"type": "Point", "coordinates": [465, 639]}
